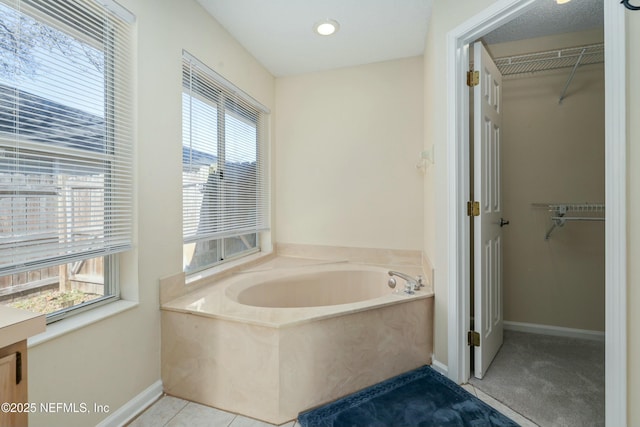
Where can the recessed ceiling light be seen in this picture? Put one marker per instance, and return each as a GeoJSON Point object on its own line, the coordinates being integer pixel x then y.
{"type": "Point", "coordinates": [562, 1]}
{"type": "Point", "coordinates": [326, 27]}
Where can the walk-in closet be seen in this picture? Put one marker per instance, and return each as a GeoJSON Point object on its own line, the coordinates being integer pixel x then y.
{"type": "Point", "coordinates": [551, 365]}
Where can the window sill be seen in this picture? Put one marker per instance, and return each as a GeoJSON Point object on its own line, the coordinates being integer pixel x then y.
{"type": "Point", "coordinates": [80, 320]}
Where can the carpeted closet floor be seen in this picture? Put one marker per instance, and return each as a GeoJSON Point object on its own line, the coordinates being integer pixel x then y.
{"type": "Point", "coordinates": [553, 381]}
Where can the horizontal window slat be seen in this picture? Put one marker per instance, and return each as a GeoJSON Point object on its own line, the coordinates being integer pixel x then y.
{"type": "Point", "coordinates": [65, 135]}
{"type": "Point", "coordinates": [225, 182]}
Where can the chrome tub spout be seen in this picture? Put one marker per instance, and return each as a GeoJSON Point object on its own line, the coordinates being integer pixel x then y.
{"type": "Point", "coordinates": [412, 283]}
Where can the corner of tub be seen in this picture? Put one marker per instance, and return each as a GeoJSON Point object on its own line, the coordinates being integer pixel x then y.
{"type": "Point", "coordinates": [178, 285]}
{"type": "Point", "coordinates": [427, 267]}
{"type": "Point", "coordinates": [172, 287]}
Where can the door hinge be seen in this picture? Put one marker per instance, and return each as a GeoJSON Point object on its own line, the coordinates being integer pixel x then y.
{"type": "Point", "coordinates": [473, 78]}
{"type": "Point", "coordinates": [473, 208]}
{"type": "Point", "coordinates": [473, 339]}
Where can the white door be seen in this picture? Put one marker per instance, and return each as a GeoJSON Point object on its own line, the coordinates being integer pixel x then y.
{"type": "Point", "coordinates": [488, 224]}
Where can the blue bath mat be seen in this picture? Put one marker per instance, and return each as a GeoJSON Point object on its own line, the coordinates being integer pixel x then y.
{"type": "Point", "coordinates": [421, 397]}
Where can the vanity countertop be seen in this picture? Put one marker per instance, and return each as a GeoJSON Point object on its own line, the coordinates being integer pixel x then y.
{"type": "Point", "coordinates": [17, 325]}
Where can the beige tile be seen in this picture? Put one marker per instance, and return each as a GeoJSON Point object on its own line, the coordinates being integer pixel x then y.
{"type": "Point", "coordinates": [229, 365]}
{"type": "Point", "coordinates": [241, 421]}
{"type": "Point", "coordinates": [177, 285]}
{"type": "Point", "coordinates": [271, 373]}
{"type": "Point", "coordinates": [172, 287]}
{"type": "Point", "coordinates": [222, 299]}
{"type": "Point", "coordinates": [174, 412]}
{"type": "Point", "coordinates": [524, 422]}
{"type": "Point", "coordinates": [427, 267]}
{"type": "Point", "coordinates": [269, 363]}
{"type": "Point", "coordinates": [357, 255]}
{"type": "Point", "coordinates": [195, 415]}
{"type": "Point", "coordinates": [160, 413]}
{"type": "Point", "coordinates": [325, 360]}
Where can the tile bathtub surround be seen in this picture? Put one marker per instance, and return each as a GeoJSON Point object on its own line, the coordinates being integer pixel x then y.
{"type": "Point", "coordinates": [177, 285]}
{"type": "Point", "coordinates": [338, 356]}
{"type": "Point", "coordinates": [172, 287]}
{"type": "Point", "coordinates": [220, 300]}
{"type": "Point", "coordinates": [351, 254]}
{"type": "Point", "coordinates": [272, 363]}
{"type": "Point", "coordinates": [229, 365]}
{"type": "Point", "coordinates": [272, 374]}
{"type": "Point", "coordinates": [427, 267]}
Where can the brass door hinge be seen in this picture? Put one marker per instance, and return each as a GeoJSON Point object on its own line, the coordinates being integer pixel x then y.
{"type": "Point", "coordinates": [473, 78]}
{"type": "Point", "coordinates": [473, 208]}
{"type": "Point", "coordinates": [473, 338]}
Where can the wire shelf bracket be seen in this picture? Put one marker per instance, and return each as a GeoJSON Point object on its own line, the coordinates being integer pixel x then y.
{"type": "Point", "coordinates": [559, 213]}
{"type": "Point", "coordinates": [573, 73]}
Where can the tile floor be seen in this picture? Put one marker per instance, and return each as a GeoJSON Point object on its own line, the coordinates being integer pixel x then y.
{"type": "Point", "coordinates": [170, 411]}
{"type": "Point", "coordinates": [173, 412]}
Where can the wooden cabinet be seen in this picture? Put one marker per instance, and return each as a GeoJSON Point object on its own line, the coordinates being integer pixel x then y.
{"type": "Point", "coordinates": [13, 385]}
{"type": "Point", "coordinates": [15, 327]}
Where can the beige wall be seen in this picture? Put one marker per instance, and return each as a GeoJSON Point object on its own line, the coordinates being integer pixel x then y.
{"type": "Point", "coordinates": [348, 141]}
{"type": "Point", "coordinates": [112, 361]}
{"type": "Point", "coordinates": [446, 16]}
{"type": "Point", "coordinates": [553, 152]}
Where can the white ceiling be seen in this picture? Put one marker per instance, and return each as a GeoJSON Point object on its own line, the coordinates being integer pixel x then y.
{"type": "Point", "coordinates": [279, 33]}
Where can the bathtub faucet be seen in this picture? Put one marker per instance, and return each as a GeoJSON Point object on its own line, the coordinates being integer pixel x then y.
{"type": "Point", "coordinates": [412, 283]}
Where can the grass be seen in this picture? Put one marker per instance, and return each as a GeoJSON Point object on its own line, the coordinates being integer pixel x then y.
{"type": "Point", "coordinates": [51, 301]}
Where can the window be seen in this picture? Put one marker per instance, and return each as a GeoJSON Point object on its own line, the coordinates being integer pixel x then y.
{"type": "Point", "coordinates": [224, 169]}
{"type": "Point", "coordinates": [65, 153]}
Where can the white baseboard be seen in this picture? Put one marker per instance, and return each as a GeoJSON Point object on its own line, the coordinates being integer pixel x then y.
{"type": "Point", "coordinates": [439, 367]}
{"type": "Point", "coordinates": [554, 330]}
{"type": "Point", "coordinates": [129, 410]}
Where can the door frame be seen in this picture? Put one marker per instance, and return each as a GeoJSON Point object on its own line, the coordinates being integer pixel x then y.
{"type": "Point", "coordinates": [458, 252]}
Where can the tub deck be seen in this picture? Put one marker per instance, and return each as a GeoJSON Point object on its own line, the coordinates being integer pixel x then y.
{"type": "Point", "coordinates": [272, 363]}
{"type": "Point", "coordinates": [217, 300]}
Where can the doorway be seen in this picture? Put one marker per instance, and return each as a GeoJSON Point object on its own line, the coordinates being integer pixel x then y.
{"type": "Point", "coordinates": [552, 154]}
{"type": "Point", "coordinates": [615, 184]}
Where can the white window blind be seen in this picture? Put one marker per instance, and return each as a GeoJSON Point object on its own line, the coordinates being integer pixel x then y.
{"type": "Point", "coordinates": [65, 133]}
{"type": "Point", "coordinates": [225, 182]}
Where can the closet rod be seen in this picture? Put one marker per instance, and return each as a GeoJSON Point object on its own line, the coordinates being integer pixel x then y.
{"type": "Point", "coordinates": [560, 210]}
{"type": "Point", "coordinates": [558, 221]}
{"type": "Point", "coordinates": [577, 218]}
{"type": "Point", "coordinates": [573, 73]}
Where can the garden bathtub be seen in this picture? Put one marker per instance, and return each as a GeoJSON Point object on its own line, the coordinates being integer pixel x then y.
{"type": "Point", "coordinates": [274, 341]}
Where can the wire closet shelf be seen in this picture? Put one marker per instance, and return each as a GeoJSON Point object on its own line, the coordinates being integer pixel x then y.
{"type": "Point", "coordinates": [563, 212]}
{"type": "Point", "coordinates": [551, 60]}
